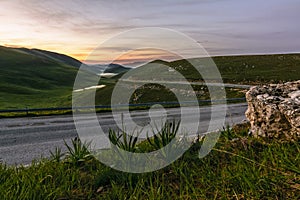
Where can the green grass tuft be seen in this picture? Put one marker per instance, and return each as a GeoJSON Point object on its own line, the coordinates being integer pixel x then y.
{"type": "Point", "coordinates": [238, 167]}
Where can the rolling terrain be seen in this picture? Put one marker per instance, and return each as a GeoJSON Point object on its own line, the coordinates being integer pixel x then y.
{"type": "Point", "coordinates": [36, 78]}
{"type": "Point", "coordinates": [246, 69]}
{"type": "Point", "coordinates": [31, 80]}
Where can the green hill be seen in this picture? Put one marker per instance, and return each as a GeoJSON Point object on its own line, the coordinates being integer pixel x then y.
{"type": "Point", "coordinates": [53, 56]}
{"type": "Point", "coordinates": [29, 80]}
{"type": "Point", "coordinates": [260, 68]}
{"type": "Point", "coordinates": [37, 78]}
{"type": "Point", "coordinates": [250, 69]}
{"type": "Point", "coordinates": [246, 69]}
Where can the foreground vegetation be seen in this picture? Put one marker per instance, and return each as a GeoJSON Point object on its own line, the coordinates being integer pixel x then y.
{"type": "Point", "coordinates": [238, 167]}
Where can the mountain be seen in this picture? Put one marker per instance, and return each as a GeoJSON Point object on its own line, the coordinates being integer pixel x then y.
{"type": "Point", "coordinates": [245, 69]}
{"type": "Point", "coordinates": [29, 79]}
{"type": "Point", "coordinates": [105, 69]}
{"type": "Point", "coordinates": [68, 60]}
{"type": "Point", "coordinates": [39, 78]}
{"type": "Point", "coordinates": [52, 56]}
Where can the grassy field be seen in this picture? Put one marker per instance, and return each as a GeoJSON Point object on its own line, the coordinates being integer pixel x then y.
{"type": "Point", "coordinates": [31, 81]}
{"type": "Point", "coordinates": [35, 78]}
{"type": "Point", "coordinates": [238, 167]}
{"type": "Point", "coordinates": [249, 69]}
{"type": "Point", "coordinates": [259, 69]}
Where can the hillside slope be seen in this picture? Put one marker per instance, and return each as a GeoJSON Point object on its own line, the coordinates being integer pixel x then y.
{"type": "Point", "coordinates": [28, 80]}
{"type": "Point", "coordinates": [53, 56]}
{"type": "Point", "coordinates": [248, 69]}
{"type": "Point", "coordinates": [37, 78]}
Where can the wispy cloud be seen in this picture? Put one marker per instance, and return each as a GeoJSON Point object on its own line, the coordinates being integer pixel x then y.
{"type": "Point", "coordinates": [222, 26]}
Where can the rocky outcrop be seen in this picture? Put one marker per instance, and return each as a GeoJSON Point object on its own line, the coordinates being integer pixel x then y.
{"type": "Point", "coordinates": [274, 110]}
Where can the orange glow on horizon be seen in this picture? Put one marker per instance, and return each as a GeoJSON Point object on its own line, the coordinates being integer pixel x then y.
{"type": "Point", "coordinates": [74, 54]}
{"type": "Point", "coordinates": [139, 55]}
{"type": "Point", "coordinates": [101, 56]}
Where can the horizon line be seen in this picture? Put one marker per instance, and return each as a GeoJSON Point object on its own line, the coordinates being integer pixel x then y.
{"type": "Point", "coordinates": [145, 61]}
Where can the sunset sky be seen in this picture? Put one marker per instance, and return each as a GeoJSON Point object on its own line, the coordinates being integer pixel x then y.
{"type": "Point", "coordinates": [223, 27]}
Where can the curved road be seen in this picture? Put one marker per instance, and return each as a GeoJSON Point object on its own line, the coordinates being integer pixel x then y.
{"type": "Point", "coordinates": [25, 139]}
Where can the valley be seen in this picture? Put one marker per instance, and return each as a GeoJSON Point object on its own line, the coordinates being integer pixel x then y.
{"type": "Point", "coordinates": [32, 78]}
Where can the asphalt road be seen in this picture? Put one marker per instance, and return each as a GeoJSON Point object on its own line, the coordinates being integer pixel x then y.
{"type": "Point", "coordinates": [25, 139]}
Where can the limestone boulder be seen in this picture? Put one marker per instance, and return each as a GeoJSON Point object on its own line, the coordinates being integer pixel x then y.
{"type": "Point", "coordinates": [274, 110]}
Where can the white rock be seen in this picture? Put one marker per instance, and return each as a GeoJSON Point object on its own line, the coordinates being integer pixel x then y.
{"type": "Point", "coordinates": [274, 110]}
{"type": "Point", "coordinates": [294, 95]}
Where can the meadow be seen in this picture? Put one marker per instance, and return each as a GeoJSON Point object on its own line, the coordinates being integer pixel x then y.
{"type": "Point", "coordinates": [41, 79]}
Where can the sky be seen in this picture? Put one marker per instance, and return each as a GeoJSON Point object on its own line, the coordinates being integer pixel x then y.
{"type": "Point", "coordinates": [222, 27]}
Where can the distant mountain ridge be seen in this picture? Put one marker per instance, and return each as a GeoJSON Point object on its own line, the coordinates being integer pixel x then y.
{"type": "Point", "coordinates": [54, 56]}
{"type": "Point", "coordinates": [68, 60]}
{"type": "Point", "coordinates": [110, 68]}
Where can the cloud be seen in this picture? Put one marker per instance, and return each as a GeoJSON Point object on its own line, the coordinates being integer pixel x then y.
{"type": "Point", "coordinates": [226, 26]}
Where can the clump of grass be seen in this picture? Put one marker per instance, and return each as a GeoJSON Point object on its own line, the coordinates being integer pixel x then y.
{"type": "Point", "coordinates": [238, 167]}
{"type": "Point", "coordinates": [57, 155]}
{"type": "Point", "coordinates": [78, 153]}
{"type": "Point", "coordinates": [123, 140]}
{"type": "Point", "coordinates": [164, 136]}
{"type": "Point", "coordinates": [228, 133]}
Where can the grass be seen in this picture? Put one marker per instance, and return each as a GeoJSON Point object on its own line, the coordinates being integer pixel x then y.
{"type": "Point", "coordinates": [31, 81]}
{"type": "Point", "coordinates": [238, 167]}
{"type": "Point", "coordinates": [259, 69]}
{"type": "Point", "coordinates": [248, 69]}
{"type": "Point", "coordinates": [28, 80]}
